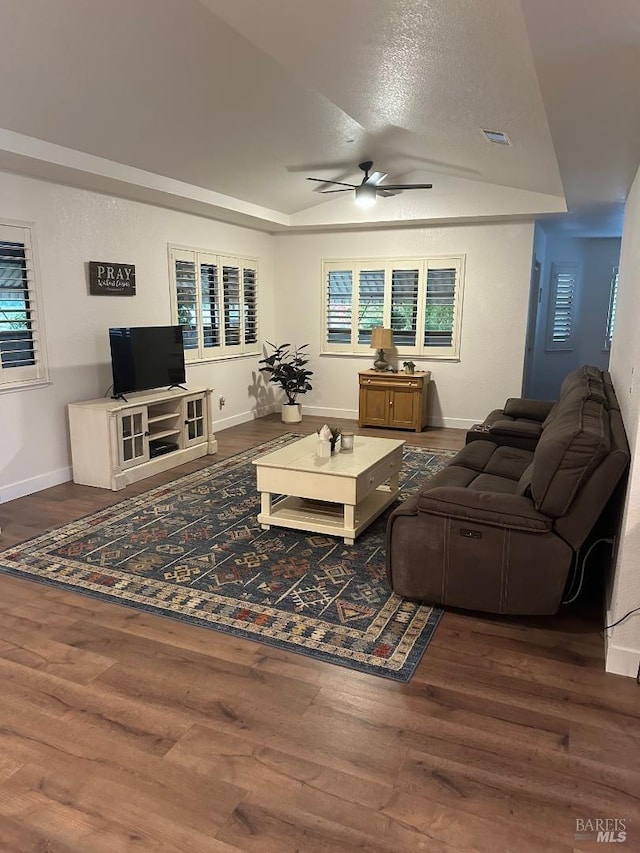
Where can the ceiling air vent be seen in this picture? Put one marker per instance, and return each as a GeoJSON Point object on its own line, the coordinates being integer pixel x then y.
{"type": "Point", "coordinates": [496, 136]}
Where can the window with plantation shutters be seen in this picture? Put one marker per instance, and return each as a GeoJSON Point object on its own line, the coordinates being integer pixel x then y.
{"type": "Point", "coordinates": [215, 300]}
{"type": "Point", "coordinates": [440, 303]}
{"type": "Point", "coordinates": [210, 306]}
{"type": "Point", "coordinates": [21, 340]}
{"type": "Point", "coordinates": [370, 303]}
{"type": "Point", "coordinates": [419, 299]}
{"type": "Point", "coordinates": [250, 318]}
{"type": "Point", "coordinates": [613, 304]}
{"type": "Point", "coordinates": [231, 303]}
{"type": "Point", "coordinates": [562, 307]}
{"type": "Point", "coordinates": [404, 306]}
{"type": "Point", "coordinates": [187, 302]}
{"type": "Point", "coordinates": [338, 308]}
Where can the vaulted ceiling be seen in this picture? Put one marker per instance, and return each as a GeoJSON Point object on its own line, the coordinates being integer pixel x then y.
{"type": "Point", "coordinates": [224, 107]}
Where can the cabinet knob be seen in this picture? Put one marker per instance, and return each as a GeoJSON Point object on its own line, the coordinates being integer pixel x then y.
{"type": "Point", "coordinates": [391, 402]}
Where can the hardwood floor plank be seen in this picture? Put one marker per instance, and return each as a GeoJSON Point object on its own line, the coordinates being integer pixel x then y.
{"type": "Point", "coordinates": [271, 827]}
{"type": "Point", "coordinates": [18, 835]}
{"type": "Point", "coordinates": [524, 693]}
{"type": "Point", "coordinates": [478, 833]}
{"type": "Point", "coordinates": [148, 729]}
{"type": "Point", "coordinates": [248, 764]}
{"type": "Point", "coordinates": [58, 802]}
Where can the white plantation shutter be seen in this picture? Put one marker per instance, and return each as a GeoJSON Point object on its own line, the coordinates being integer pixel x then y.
{"type": "Point", "coordinates": [187, 301]}
{"type": "Point", "coordinates": [215, 300]}
{"type": "Point", "coordinates": [440, 301]}
{"type": "Point", "coordinates": [404, 306]}
{"type": "Point", "coordinates": [250, 305]}
{"type": "Point", "coordinates": [210, 302]}
{"type": "Point", "coordinates": [613, 304]}
{"type": "Point", "coordinates": [562, 306]}
{"type": "Point", "coordinates": [231, 304]}
{"type": "Point", "coordinates": [338, 308]}
{"type": "Point", "coordinates": [370, 303]}
{"type": "Point", "coordinates": [419, 299]}
{"type": "Point", "coordinates": [21, 338]}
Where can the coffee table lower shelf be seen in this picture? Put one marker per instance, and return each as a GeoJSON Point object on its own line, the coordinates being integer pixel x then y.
{"type": "Point", "coordinates": [325, 517]}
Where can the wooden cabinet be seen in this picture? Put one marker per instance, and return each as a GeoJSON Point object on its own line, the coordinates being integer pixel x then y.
{"type": "Point", "coordinates": [115, 442]}
{"type": "Point", "coordinates": [394, 399]}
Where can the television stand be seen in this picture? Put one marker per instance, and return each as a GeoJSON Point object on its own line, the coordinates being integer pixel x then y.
{"type": "Point", "coordinates": [117, 442]}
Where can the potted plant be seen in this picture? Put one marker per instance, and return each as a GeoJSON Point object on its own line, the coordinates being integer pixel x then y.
{"type": "Point", "coordinates": [409, 366]}
{"type": "Point", "coordinates": [286, 366]}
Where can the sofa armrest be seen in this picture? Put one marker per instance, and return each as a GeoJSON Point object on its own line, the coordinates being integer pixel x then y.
{"type": "Point", "coordinates": [524, 407]}
{"type": "Point", "coordinates": [497, 509]}
{"type": "Point", "coordinates": [523, 429]}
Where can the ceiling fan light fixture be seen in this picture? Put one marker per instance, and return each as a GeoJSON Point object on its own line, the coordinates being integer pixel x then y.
{"type": "Point", "coordinates": [365, 195]}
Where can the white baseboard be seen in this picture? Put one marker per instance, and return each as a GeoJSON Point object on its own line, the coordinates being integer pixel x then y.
{"type": "Point", "coordinates": [318, 411]}
{"type": "Point", "coordinates": [352, 414]}
{"type": "Point", "coordinates": [454, 423]}
{"type": "Point", "coordinates": [622, 661]}
{"type": "Point", "coordinates": [244, 417]}
{"type": "Point", "coordinates": [35, 484]}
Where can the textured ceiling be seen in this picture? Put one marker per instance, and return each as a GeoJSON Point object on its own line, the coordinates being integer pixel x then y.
{"type": "Point", "coordinates": [187, 102]}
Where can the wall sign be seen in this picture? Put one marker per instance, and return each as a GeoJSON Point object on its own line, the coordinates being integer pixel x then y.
{"type": "Point", "coordinates": [112, 279]}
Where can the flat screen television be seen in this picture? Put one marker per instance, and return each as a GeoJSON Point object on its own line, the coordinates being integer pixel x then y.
{"type": "Point", "coordinates": [145, 357]}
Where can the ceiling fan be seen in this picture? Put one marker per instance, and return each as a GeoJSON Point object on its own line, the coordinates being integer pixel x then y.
{"type": "Point", "coordinates": [371, 187]}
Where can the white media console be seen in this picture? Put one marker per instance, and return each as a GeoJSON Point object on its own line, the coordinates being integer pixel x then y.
{"type": "Point", "coordinates": [117, 442]}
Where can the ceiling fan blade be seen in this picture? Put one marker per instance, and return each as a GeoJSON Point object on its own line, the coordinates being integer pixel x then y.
{"type": "Point", "coordinates": [327, 181]}
{"type": "Point", "coordinates": [383, 191]}
{"type": "Point", "coordinates": [338, 191]}
{"type": "Point", "coordinates": [406, 187]}
{"type": "Point", "coordinates": [375, 178]}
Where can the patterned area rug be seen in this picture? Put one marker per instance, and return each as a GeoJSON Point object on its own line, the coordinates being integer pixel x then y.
{"type": "Point", "coordinates": [193, 550]}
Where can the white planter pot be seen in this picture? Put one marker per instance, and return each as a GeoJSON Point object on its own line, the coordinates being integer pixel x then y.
{"type": "Point", "coordinates": [291, 414]}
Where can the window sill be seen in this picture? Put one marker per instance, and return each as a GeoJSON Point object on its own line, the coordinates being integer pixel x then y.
{"type": "Point", "coordinates": [24, 385]}
{"type": "Point", "coordinates": [371, 354]}
{"type": "Point", "coordinates": [225, 357]}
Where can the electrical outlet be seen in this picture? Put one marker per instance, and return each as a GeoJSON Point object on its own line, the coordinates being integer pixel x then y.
{"type": "Point", "coordinates": [222, 402]}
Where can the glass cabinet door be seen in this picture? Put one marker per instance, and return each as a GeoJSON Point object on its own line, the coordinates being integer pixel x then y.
{"type": "Point", "coordinates": [133, 437]}
{"type": "Point", "coordinates": [194, 420]}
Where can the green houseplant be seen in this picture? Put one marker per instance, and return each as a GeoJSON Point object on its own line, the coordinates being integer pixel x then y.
{"type": "Point", "coordinates": [286, 366]}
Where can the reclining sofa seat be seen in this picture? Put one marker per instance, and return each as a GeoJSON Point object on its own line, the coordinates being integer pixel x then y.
{"type": "Point", "coordinates": [499, 528]}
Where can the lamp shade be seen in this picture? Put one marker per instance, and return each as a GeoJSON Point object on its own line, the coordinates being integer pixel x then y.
{"type": "Point", "coordinates": [381, 338]}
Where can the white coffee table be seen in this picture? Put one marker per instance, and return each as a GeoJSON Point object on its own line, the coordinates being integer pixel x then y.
{"type": "Point", "coordinates": [340, 495]}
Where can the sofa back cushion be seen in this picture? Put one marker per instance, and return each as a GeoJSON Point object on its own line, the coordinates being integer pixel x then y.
{"type": "Point", "coordinates": [580, 376]}
{"type": "Point", "coordinates": [571, 447]}
{"type": "Point", "coordinates": [584, 383]}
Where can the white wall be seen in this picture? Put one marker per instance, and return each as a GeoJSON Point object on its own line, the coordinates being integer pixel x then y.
{"type": "Point", "coordinates": [623, 642]}
{"type": "Point", "coordinates": [496, 292]}
{"type": "Point", "coordinates": [73, 227]}
{"type": "Point", "coordinates": [596, 257]}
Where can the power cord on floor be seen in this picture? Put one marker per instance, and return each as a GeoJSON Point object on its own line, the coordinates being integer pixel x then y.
{"type": "Point", "coordinates": [573, 595]}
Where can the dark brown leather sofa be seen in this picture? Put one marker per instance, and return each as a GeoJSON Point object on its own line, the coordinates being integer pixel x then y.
{"type": "Point", "coordinates": [500, 527]}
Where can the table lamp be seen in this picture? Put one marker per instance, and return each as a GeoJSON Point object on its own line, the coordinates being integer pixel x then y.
{"type": "Point", "coordinates": [381, 339]}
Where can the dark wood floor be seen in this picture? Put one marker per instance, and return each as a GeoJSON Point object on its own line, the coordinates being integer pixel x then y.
{"type": "Point", "coordinates": [122, 731]}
